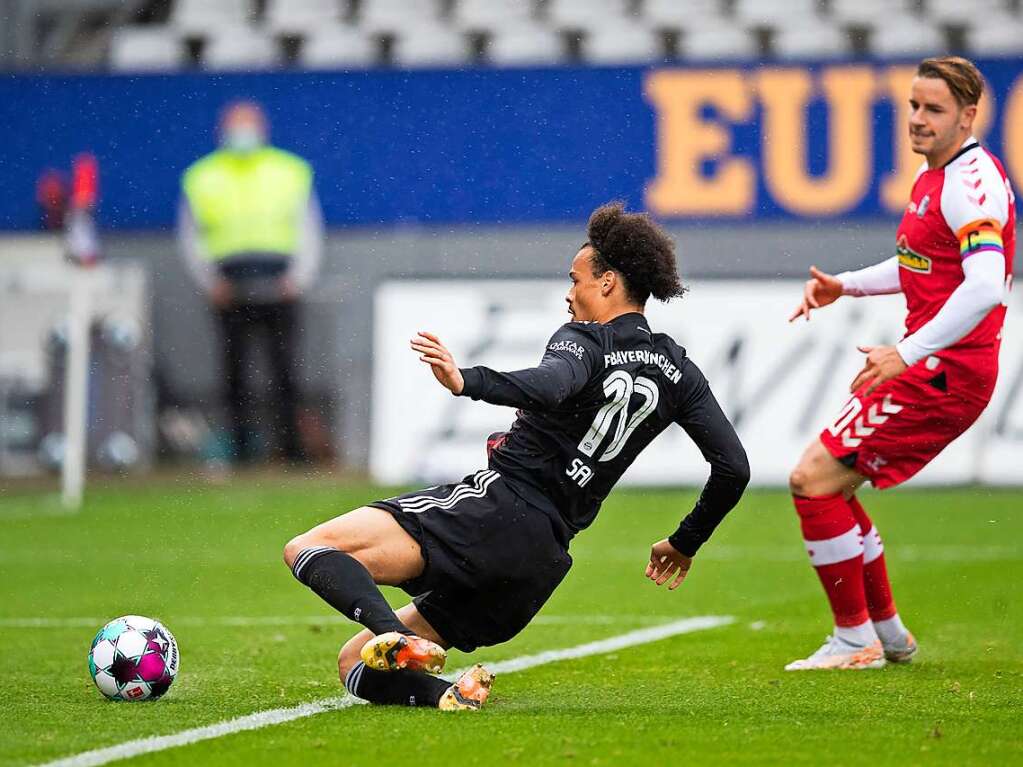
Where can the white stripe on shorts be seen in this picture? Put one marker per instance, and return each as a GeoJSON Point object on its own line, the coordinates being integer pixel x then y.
{"type": "Point", "coordinates": [477, 490]}
{"type": "Point", "coordinates": [478, 478]}
{"type": "Point", "coordinates": [481, 482]}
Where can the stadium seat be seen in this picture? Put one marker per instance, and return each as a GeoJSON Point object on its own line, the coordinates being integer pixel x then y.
{"type": "Point", "coordinates": [907, 36]}
{"type": "Point", "coordinates": [718, 42]}
{"type": "Point", "coordinates": [585, 14]}
{"type": "Point", "coordinates": [960, 12]}
{"type": "Point", "coordinates": [145, 49]}
{"type": "Point", "coordinates": [394, 16]}
{"type": "Point", "coordinates": [811, 40]}
{"type": "Point", "coordinates": [431, 45]}
{"type": "Point", "coordinates": [774, 13]}
{"type": "Point", "coordinates": [997, 35]}
{"type": "Point", "coordinates": [301, 16]}
{"type": "Point", "coordinates": [200, 17]}
{"type": "Point", "coordinates": [241, 48]}
{"type": "Point", "coordinates": [867, 12]}
{"type": "Point", "coordinates": [339, 47]}
{"type": "Point", "coordinates": [491, 14]}
{"type": "Point", "coordinates": [525, 44]}
{"type": "Point", "coordinates": [623, 43]}
{"type": "Point", "coordinates": [672, 14]}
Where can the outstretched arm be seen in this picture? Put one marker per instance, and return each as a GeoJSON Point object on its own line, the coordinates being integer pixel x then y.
{"type": "Point", "coordinates": [823, 289]}
{"type": "Point", "coordinates": [706, 424]}
{"type": "Point", "coordinates": [877, 280]}
{"type": "Point", "coordinates": [563, 371]}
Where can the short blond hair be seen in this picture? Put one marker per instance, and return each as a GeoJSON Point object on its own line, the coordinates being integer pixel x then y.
{"type": "Point", "coordinates": [961, 75]}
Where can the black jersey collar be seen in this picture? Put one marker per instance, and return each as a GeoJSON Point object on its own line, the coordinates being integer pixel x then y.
{"type": "Point", "coordinates": [634, 316]}
{"type": "Point", "coordinates": [968, 147]}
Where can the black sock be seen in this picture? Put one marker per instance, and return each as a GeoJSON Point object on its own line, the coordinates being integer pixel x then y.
{"type": "Point", "coordinates": [395, 688]}
{"type": "Point", "coordinates": [343, 583]}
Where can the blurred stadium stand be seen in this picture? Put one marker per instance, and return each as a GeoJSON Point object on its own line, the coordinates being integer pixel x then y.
{"type": "Point", "coordinates": [197, 17]}
{"type": "Point", "coordinates": [142, 48]}
{"type": "Point", "coordinates": [241, 47]}
{"type": "Point", "coordinates": [265, 34]}
{"type": "Point", "coordinates": [486, 15]}
{"type": "Point", "coordinates": [339, 45]}
{"type": "Point", "coordinates": [301, 17]}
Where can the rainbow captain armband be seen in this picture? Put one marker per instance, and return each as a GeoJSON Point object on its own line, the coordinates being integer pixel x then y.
{"type": "Point", "coordinates": [980, 236]}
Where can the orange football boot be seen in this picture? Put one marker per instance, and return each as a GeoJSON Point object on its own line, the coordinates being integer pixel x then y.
{"type": "Point", "coordinates": [469, 692]}
{"type": "Point", "coordinates": [393, 651]}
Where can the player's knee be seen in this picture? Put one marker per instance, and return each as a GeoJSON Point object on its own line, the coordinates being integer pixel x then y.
{"type": "Point", "coordinates": [799, 480]}
{"type": "Point", "coordinates": [348, 657]}
{"type": "Point", "coordinates": [293, 548]}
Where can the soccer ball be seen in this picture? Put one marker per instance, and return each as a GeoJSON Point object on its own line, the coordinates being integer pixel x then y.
{"type": "Point", "coordinates": [133, 658]}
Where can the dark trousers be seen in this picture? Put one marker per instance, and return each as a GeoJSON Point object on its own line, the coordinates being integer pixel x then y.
{"type": "Point", "coordinates": [241, 325]}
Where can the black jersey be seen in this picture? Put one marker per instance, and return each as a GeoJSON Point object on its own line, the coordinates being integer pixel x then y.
{"type": "Point", "coordinates": [600, 395]}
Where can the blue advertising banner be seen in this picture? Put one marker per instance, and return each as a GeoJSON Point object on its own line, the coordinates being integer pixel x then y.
{"type": "Point", "coordinates": [744, 143]}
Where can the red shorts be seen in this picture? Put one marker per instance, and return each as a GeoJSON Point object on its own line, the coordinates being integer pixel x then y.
{"type": "Point", "coordinates": [892, 433]}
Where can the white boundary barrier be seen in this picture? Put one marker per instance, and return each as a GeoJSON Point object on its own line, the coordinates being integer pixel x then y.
{"type": "Point", "coordinates": [780, 383]}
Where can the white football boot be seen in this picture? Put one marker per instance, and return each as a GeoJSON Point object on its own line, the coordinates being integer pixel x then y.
{"type": "Point", "coordinates": [836, 653]}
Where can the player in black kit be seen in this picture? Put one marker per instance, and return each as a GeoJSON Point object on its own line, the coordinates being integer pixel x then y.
{"type": "Point", "coordinates": [480, 557]}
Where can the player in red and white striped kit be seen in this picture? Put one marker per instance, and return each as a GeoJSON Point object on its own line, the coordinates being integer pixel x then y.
{"type": "Point", "coordinates": [953, 263]}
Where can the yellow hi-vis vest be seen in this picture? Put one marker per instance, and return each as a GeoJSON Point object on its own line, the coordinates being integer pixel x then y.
{"type": "Point", "coordinates": [251, 202]}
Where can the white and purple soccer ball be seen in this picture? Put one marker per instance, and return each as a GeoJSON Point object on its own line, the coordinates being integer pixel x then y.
{"type": "Point", "coordinates": [133, 658]}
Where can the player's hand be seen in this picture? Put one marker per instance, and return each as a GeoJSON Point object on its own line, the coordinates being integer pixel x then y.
{"type": "Point", "coordinates": [666, 561]}
{"type": "Point", "coordinates": [435, 354]}
{"type": "Point", "coordinates": [820, 290]}
{"type": "Point", "coordinates": [221, 294]}
{"type": "Point", "coordinates": [883, 364]}
{"type": "Point", "coordinates": [288, 289]}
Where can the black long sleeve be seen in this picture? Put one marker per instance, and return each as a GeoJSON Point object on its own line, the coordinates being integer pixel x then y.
{"type": "Point", "coordinates": [706, 424]}
{"type": "Point", "coordinates": [563, 371]}
{"type": "Point", "coordinates": [542, 387]}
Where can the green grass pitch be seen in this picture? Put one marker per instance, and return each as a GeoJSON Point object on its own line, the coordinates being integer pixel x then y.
{"type": "Point", "coordinates": [207, 562]}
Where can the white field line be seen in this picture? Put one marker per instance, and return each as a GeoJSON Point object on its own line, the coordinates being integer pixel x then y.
{"type": "Point", "coordinates": [270, 717]}
{"type": "Point", "coordinates": [311, 620]}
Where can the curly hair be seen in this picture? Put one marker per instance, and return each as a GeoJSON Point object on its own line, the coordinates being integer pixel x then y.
{"type": "Point", "coordinates": [635, 247]}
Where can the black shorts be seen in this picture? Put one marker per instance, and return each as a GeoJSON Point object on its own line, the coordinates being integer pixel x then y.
{"type": "Point", "coordinates": [492, 559]}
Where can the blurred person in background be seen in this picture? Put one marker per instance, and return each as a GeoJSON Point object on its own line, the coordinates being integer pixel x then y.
{"type": "Point", "coordinates": [251, 233]}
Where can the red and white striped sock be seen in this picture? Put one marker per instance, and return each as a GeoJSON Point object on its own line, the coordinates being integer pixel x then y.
{"type": "Point", "coordinates": [835, 546]}
{"type": "Point", "coordinates": [880, 602]}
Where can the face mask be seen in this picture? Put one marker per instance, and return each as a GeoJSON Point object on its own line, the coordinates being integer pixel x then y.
{"type": "Point", "coordinates": [243, 139]}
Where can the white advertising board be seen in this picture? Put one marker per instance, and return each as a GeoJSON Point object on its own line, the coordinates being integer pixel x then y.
{"type": "Point", "coordinates": [780, 383]}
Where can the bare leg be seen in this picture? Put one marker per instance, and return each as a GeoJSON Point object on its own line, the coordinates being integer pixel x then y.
{"type": "Point", "coordinates": [372, 537]}
{"type": "Point", "coordinates": [820, 473]}
{"type": "Point", "coordinates": [344, 559]}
